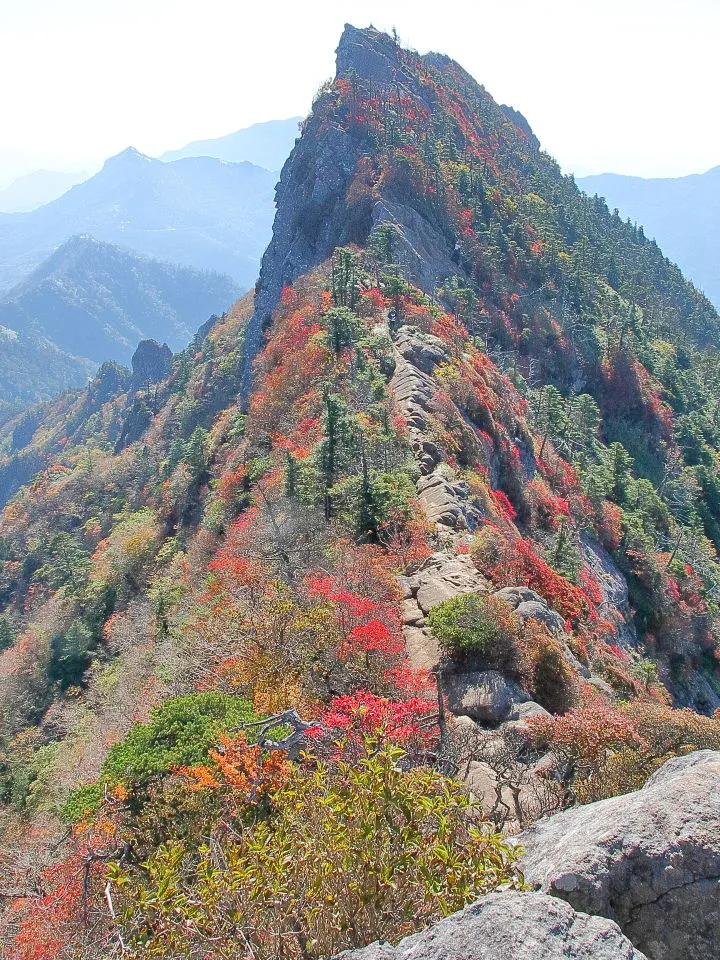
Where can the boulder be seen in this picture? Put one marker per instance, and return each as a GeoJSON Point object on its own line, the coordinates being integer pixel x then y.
{"type": "Point", "coordinates": [485, 695]}
{"type": "Point", "coordinates": [649, 860]}
{"type": "Point", "coordinates": [411, 613]}
{"type": "Point", "coordinates": [524, 711]}
{"type": "Point", "coordinates": [447, 503]}
{"type": "Point", "coordinates": [444, 576]}
{"type": "Point", "coordinates": [422, 350]}
{"type": "Point", "coordinates": [514, 596]}
{"type": "Point", "coordinates": [535, 610]}
{"type": "Point", "coordinates": [602, 686]}
{"type": "Point", "coordinates": [510, 926]}
{"type": "Point", "coordinates": [421, 647]}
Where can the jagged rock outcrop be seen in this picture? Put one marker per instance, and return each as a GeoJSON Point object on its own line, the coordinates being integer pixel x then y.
{"type": "Point", "coordinates": [649, 860]}
{"type": "Point", "coordinates": [112, 380]}
{"type": "Point", "coordinates": [423, 251]}
{"type": "Point", "coordinates": [151, 363]}
{"type": "Point", "coordinates": [613, 586]}
{"type": "Point", "coordinates": [510, 926]}
{"type": "Point", "coordinates": [314, 214]}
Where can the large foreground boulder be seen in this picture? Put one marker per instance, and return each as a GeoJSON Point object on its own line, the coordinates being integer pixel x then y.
{"type": "Point", "coordinates": [649, 860]}
{"type": "Point", "coordinates": [510, 926]}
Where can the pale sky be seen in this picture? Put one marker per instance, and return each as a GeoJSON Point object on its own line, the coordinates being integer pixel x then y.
{"type": "Point", "coordinates": [629, 86]}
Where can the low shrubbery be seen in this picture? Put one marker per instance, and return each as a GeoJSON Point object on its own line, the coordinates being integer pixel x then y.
{"type": "Point", "coordinates": [329, 857]}
{"type": "Point", "coordinates": [483, 628]}
{"type": "Point", "coordinates": [179, 734]}
{"type": "Point", "coordinates": [484, 632]}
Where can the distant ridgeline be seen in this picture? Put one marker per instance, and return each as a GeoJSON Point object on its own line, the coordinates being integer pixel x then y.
{"type": "Point", "coordinates": [681, 213]}
{"type": "Point", "coordinates": [462, 440]}
{"type": "Point", "coordinates": [91, 301]}
{"type": "Point", "coordinates": [200, 212]}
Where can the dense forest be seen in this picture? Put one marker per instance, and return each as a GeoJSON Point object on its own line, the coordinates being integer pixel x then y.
{"type": "Point", "coordinates": [243, 630]}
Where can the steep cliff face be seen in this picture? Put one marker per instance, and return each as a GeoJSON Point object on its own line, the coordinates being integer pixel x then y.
{"type": "Point", "coordinates": [315, 213]}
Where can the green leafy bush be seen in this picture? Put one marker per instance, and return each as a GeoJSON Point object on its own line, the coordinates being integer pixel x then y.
{"type": "Point", "coordinates": [179, 734]}
{"type": "Point", "coordinates": [349, 854]}
{"type": "Point", "coordinates": [482, 627]}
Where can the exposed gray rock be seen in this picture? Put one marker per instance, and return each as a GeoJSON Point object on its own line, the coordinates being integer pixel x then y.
{"type": "Point", "coordinates": [151, 363]}
{"type": "Point", "coordinates": [447, 502]}
{"type": "Point", "coordinates": [421, 647]}
{"type": "Point", "coordinates": [484, 695]}
{"type": "Point", "coordinates": [422, 350]}
{"type": "Point", "coordinates": [440, 501]}
{"type": "Point", "coordinates": [410, 386]}
{"type": "Point", "coordinates": [614, 589]}
{"type": "Point", "coordinates": [514, 596]}
{"type": "Point", "coordinates": [510, 926]}
{"type": "Point", "coordinates": [535, 610]}
{"type": "Point", "coordinates": [422, 249]}
{"type": "Point", "coordinates": [523, 711]}
{"type": "Point", "coordinates": [411, 613]}
{"type": "Point", "coordinates": [444, 576]}
{"type": "Point", "coordinates": [649, 860]}
{"type": "Point", "coordinates": [693, 690]}
{"type": "Point", "coordinates": [602, 686]}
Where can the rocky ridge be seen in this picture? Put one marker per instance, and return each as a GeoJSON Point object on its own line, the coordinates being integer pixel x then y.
{"type": "Point", "coordinates": [633, 877]}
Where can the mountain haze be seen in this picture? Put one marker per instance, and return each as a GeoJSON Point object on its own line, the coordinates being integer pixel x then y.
{"type": "Point", "coordinates": [264, 144]}
{"type": "Point", "coordinates": [681, 213]}
{"type": "Point", "coordinates": [198, 212]}
{"type": "Point", "coordinates": [35, 189]}
{"type": "Point", "coordinates": [34, 368]}
{"type": "Point", "coordinates": [427, 522]}
{"type": "Point", "coordinates": [98, 301]}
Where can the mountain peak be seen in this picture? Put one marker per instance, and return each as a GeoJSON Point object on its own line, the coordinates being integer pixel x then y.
{"type": "Point", "coordinates": [368, 53]}
{"type": "Point", "coordinates": [129, 158]}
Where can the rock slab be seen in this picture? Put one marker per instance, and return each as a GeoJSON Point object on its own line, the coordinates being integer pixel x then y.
{"type": "Point", "coordinates": [510, 926]}
{"type": "Point", "coordinates": [649, 860]}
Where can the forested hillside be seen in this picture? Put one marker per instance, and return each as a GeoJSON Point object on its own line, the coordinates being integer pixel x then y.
{"type": "Point", "coordinates": [681, 213]}
{"type": "Point", "coordinates": [439, 501]}
{"type": "Point", "coordinates": [98, 301]}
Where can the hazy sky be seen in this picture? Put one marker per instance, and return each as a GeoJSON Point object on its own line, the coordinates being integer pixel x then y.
{"type": "Point", "coordinates": [629, 86]}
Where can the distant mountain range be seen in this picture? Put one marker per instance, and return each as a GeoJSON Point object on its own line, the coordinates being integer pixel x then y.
{"type": "Point", "coordinates": [267, 145]}
{"type": "Point", "coordinates": [91, 301]}
{"type": "Point", "coordinates": [200, 212]}
{"type": "Point", "coordinates": [681, 213]}
{"type": "Point", "coordinates": [96, 300]}
{"type": "Point", "coordinates": [35, 189]}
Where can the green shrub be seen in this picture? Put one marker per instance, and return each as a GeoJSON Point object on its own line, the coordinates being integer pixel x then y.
{"type": "Point", "coordinates": [481, 627]}
{"type": "Point", "coordinates": [349, 854]}
{"type": "Point", "coordinates": [179, 734]}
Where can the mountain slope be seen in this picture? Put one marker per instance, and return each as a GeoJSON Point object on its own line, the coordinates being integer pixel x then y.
{"type": "Point", "coordinates": [264, 144]}
{"type": "Point", "coordinates": [199, 212]}
{"type": "Point", "coordinates": [34, 368]}
{"type": "Point", "coordinates": [681, 213]}
{"type": "Point", "coordinates": [453, 465]}
{"type": "Point", "coordinates": [98, 301]}
{"type": "Point", "coordinates": [35, 189]}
